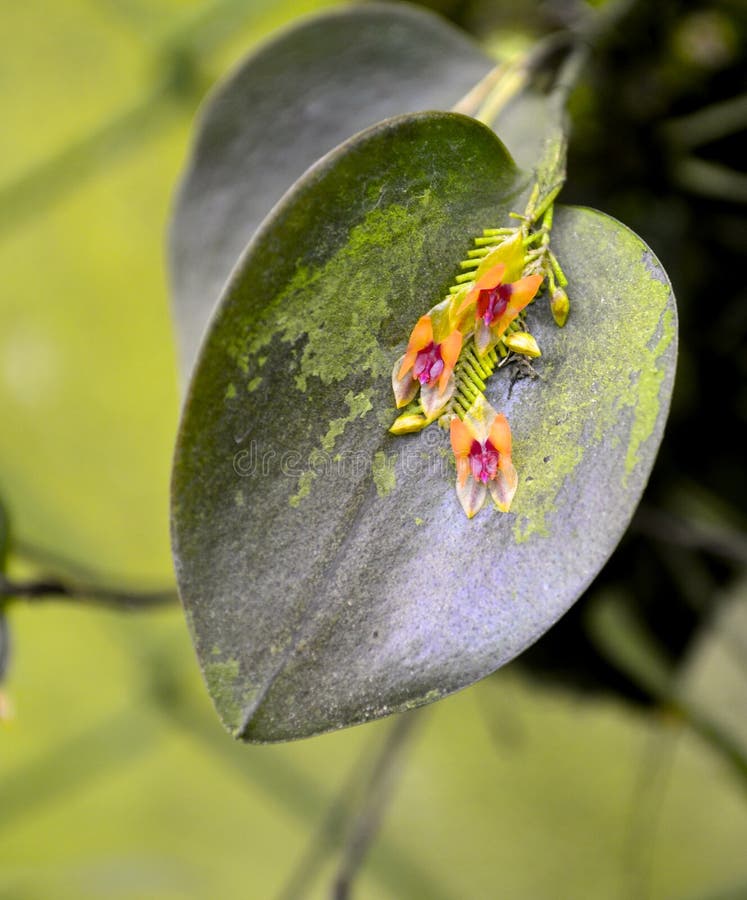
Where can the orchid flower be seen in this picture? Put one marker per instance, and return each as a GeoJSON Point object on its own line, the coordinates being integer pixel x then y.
{"type": "Point", "coordinates": [427, 366]}
{"type": "Point", "coordinates": [482, 448]}
{"type": "Point", "coordinates": [497, 304]}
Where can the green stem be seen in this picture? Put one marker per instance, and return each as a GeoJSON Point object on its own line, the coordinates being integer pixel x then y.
{"type": "Point", "coordinates": [54, 588]}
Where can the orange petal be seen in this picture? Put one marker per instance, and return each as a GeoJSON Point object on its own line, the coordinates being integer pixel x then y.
{"type": "Point", "coordinates": [522, 291]}
{"type": "Point", "coordinates": [492, 278]}
{"type": "Point", "coordinates": [421, 336]}
{"type": "Point", "coordinates": [461, 444]}
{"type": "Point", "coordinates": [450, 349]}
{"type": "Point", "coordinates": [489, 280]}
{"type": "Point", "coordinates": [500, 435]}
{"type": "Point", "coordinates": [463, 470]}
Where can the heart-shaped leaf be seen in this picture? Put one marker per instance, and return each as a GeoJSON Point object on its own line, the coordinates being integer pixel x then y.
{"type": "Point", "coordinates": [284, 108]}
{"type": "Point", "coordinates": [328, 572]}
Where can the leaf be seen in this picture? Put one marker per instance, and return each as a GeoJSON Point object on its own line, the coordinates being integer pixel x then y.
{"type": "Point", "coordinates": [286, 105]}
{"type": "Point", "coordinates": [328, 572]}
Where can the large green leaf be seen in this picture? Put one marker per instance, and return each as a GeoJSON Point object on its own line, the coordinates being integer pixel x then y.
{"type": "Point", "coordinates": [327, 569]}
{"type": "Point", "coordinates": [287, 105]}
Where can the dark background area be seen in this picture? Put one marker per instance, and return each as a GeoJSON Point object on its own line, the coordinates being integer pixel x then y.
{"type": "Point", "coordinates": [659, 140]}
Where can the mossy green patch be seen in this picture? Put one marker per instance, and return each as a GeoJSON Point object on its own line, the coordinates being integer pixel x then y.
{"type": "Point", "coordinates": [343, 307]}
{"type": "Point", "coordinates": [221, 678]}
{"type": "Point", "coordinates": [382, 469]}
{"type": "Point", "coordinates": [602, 370]}
{"type": "Point", "coordinates": [305, 480]}
{"type": "Point", "coordinates": [648, 389]}
{"type": "Point", "coordinates": [358, 405]}
{"type": "Point", "coordinates": [231, 391]}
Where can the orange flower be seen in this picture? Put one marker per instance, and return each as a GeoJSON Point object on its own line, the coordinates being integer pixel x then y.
{"type": "Point", "coordinates": [482, 448]}
{"type": "Point", "coordinates": [427, 366]}
{"type": "Point", "coordinates": [497, 304]}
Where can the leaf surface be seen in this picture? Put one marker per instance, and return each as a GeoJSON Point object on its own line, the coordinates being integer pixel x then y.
{"type": "Point", "coordinates": [327, 569]}
{"type": "Point", "coordinates": [286, 106]}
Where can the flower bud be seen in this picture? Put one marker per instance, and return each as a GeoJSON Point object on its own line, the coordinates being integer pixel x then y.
{"type": "Point", "coordinates": [560, 307]}
{"type": "Point", "coordinates": [409, 422]}
{"type": "Point", "coordinates": [522, 342]}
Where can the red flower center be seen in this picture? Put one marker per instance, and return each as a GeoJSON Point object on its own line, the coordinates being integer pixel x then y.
{"type": "Point", "coordinates": [491, 304]}
{"type": "Point", "coordinates": [483, 460]}
{"type": "Point", "coordinates": [428, 364]}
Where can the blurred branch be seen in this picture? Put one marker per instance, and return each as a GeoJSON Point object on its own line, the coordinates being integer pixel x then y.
{"type": "Point", "coordinates": [710, 179]}
{"type": "Point", "coordinates": [365, 825]}
{"type": "Point", "coordinates": [50, 181]}
{"type": "Point", "coordinates": [43, 558]}
{"type": "Point", "coordinates": [709, 124]}
{"type": "Point", "coordinates": [328, 835]}
{"type": "Point", "coordinates": [341, 817]}
{"type": "Point", "coordinates": [53, 588]}
{"type": "Point", "coordinates": [489, 97]}
{"type": "Point", "coordinates": [178, 78]}
{"type": "Point", "coordinates": [291, 788]}
{"type": "Point", "coordinates": [644, 816]}
{"type": "Point", "coordinates": [631, 648]}
{"type": "Point", "coordinates": [107, 747]}
{"type": "Point", "coordinates": [672, 529]}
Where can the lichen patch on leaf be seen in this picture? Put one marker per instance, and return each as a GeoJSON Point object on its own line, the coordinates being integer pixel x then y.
{"type": "Point", "coordinates": [618, 377]}
{"type": "Point", "coordinates": [221, 678]}
{"type": "Point", "coordinates": [343, 308]}
{"type": "Point", "coordinates": [382, 469]}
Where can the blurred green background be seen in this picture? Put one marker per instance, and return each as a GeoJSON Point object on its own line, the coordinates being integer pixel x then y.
{"type": "Point", "coordinates": [605, 762]}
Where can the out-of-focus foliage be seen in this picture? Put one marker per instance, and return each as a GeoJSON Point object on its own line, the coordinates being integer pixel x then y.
{"type": "Point", "coordinates": [114, 778]}
{"type": "Point", "coordinates": [117, 781]}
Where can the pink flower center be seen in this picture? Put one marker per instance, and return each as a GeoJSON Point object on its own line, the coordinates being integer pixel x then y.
{"type": "Point", "coordinates": [492, 304]}
{"type": "Point", "coordinates": [428, 364]}
{"type": "Point", "coordinates": [483, 461]}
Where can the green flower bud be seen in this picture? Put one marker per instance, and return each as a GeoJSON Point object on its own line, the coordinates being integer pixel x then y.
{"type": "Point", "coordinates": [560, 306]}
{"type": "Point", "coordinates": [409, 422]}
{"type": "Point", "coordinates": [522, 342]}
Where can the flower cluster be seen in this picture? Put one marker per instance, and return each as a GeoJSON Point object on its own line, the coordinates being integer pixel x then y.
{"type": "Point", "coordinates": [458, 344]}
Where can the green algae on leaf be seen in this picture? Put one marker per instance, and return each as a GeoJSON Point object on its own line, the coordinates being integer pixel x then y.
{"type": "Point", "coordinates": [221, 678]}
{"type": "Point", "coordinates": [350, 585]}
